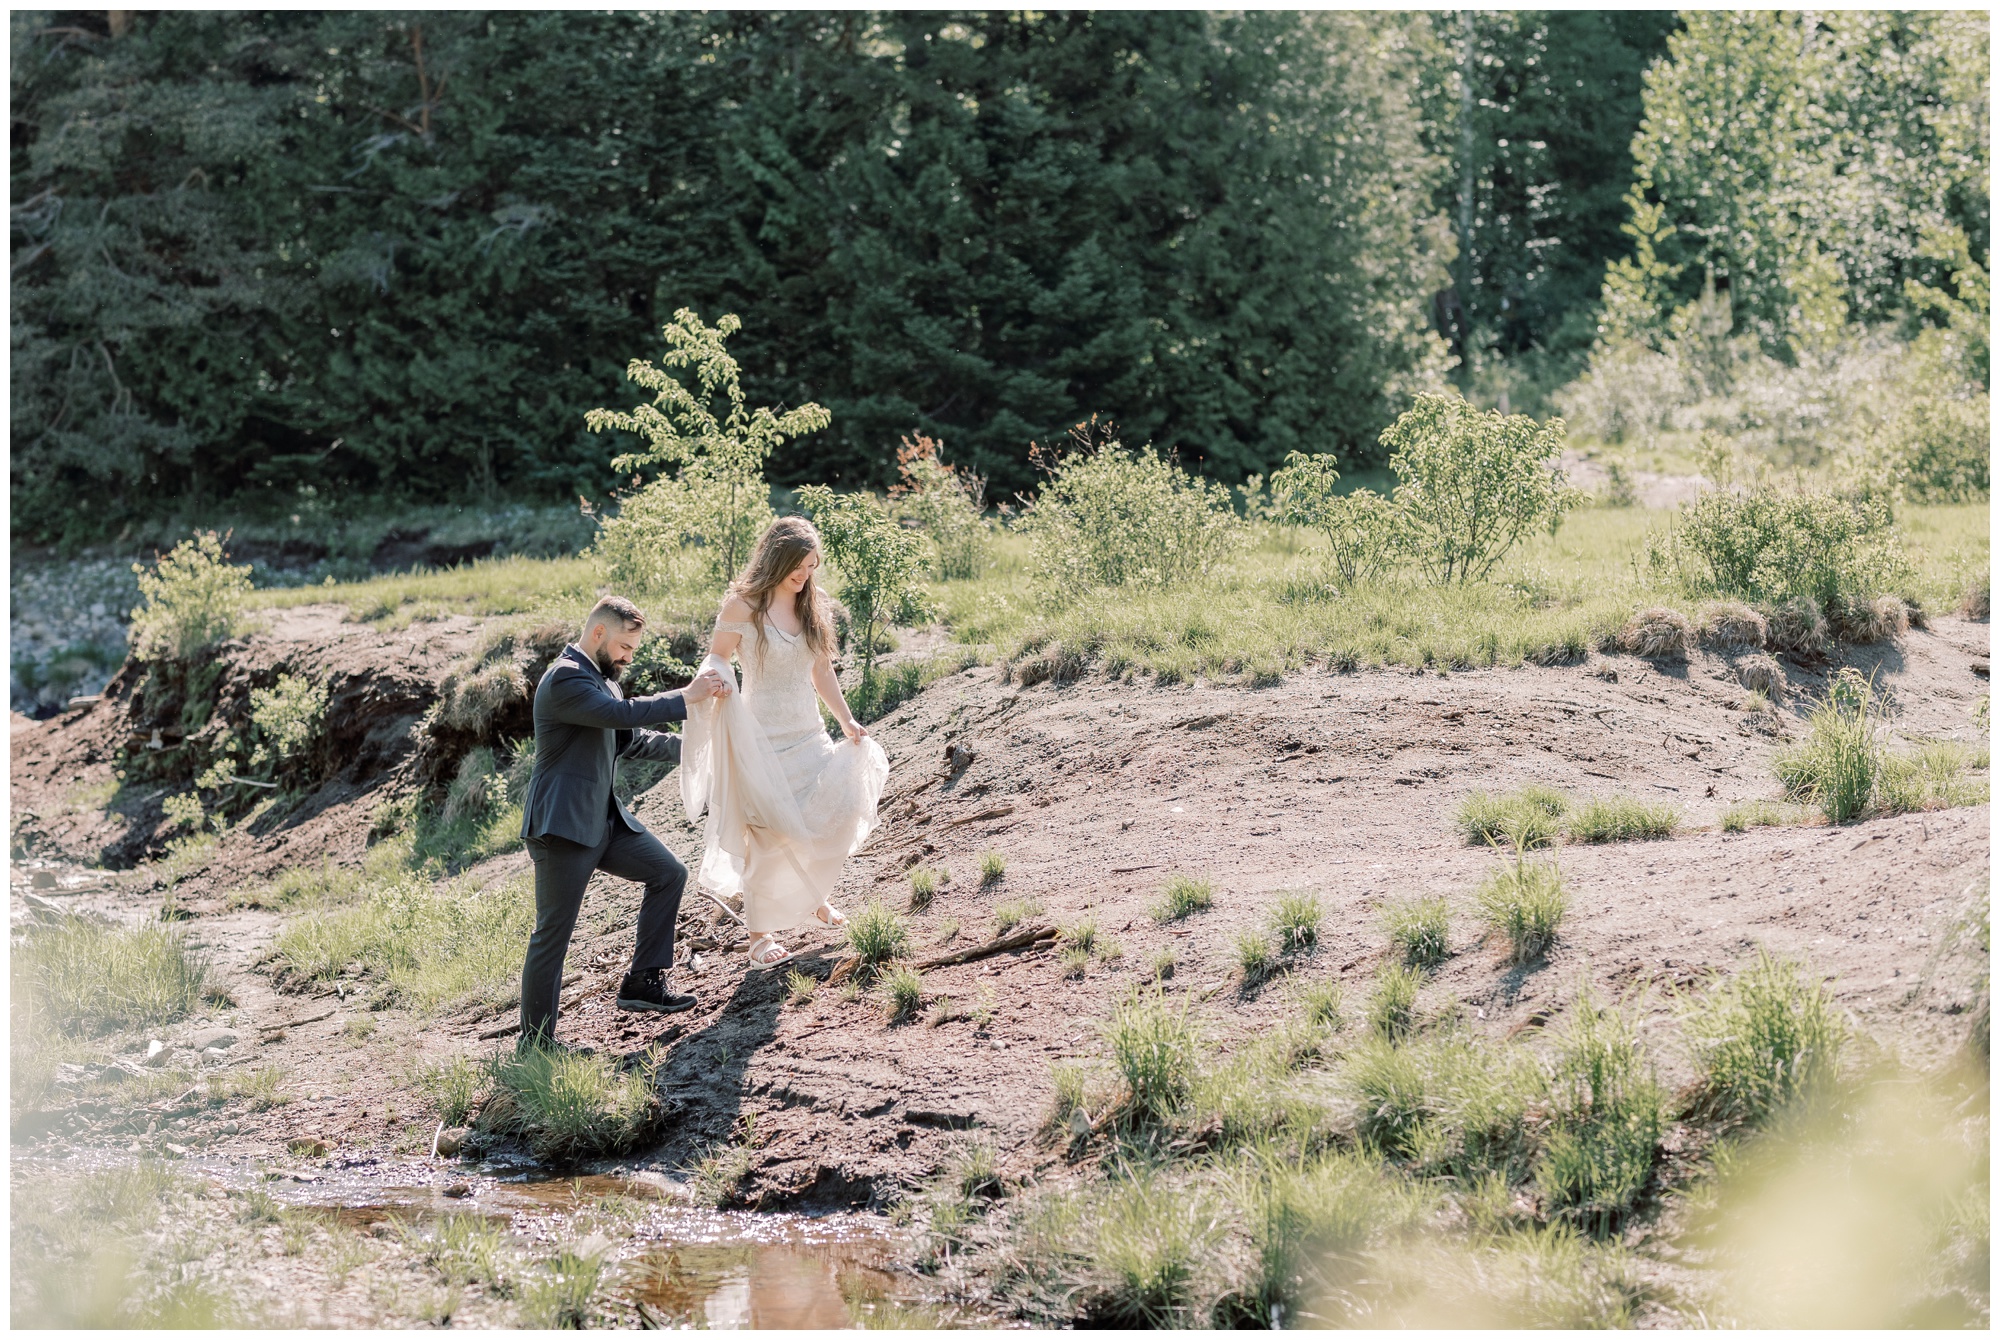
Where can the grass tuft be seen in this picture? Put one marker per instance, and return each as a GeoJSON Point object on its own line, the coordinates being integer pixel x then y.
{"type": "Point", "coordinates": [1182, 896]}
{"type": "Point", "coordinates": [877, 935]}
{"type": "Point", "coordinates": [1419, 931]}
{"type": "Point", "coordinates": [1530, 817]}
{"type": "Point", "coordinates": [452, 1087]}
{"type": "Point", "coordinates": [1255, 955]}
{"type": "Point", "coordinates": [1835, 768]}
{"type": "Point", "coordinates": [1622, 819]}
{"type": "Point", "coordinates": [1319, 1002]}
{"type": "Point", "coordinates": [902, 992]}
{"type": "Point", "coordinates": [992, 865]}
{"type": "Point", "coordinates": [1154, 1048]}
{"type": "Point", "coordinates": [1010, 914]}
{"type": "Point", "coordinates": [923, 887]}
{"type": "Point", "coordinates": [1525, 903]}
{"type": "Point", "coordinates": [1761, 1040]}
{"type": "Point", "coordinates": [87, 977]}
{"type": "Point", "coordinates": [1296, 920]}
{"type": "Point", "coordinates": [1606, 1112]}
{"type": "Point", "coordinates": [799, 987]}
{"type": "Point", "coordinates": [1747, 814]}
{"type": "Point", "coordinates": [569, 1107]}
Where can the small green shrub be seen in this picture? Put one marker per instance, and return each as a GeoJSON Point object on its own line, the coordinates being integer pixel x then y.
{"type": "Point", "coordinates": [1524, 902]}
{"type": "Point", "coordinates": [877, 935]}
{"type": "Point", "coordinates": [1761, 1039]}
{"type": "Point", "coordinates": [947, 503]}
{"type": "Point", "coordinates": [1255, 955]}
{"type": "Point", "coordinates": [799, 988]}
{"type": "Point", "coordinates": [1107, 516]}
{"type": "Point", "coordinates": [1183, 895]}
{"type": "Point", "coordinates": [923, 887]}
{"type": "Point", "coordinates": [879, 564]}
{"type": "Point", "coordinates": [1530, 817]}
{"type": "Point", "coordinates": [1622, 819]}
{"type": "Point", "coordinates": [1837, 765]}
{"type": "Point", "coordinates": [1296, 919]}
{"type": "Point", "coordinates": [992, 865]}
{"type": "Point", "coordinates": [1392, 1006]}
{"type": "Point", "coordinates": [1419, 931]}
{"type": "Point", "coordinates": [1473, 485]}
{"type": "Point", "coordinates": [193, 600]}
{"type": "Point", "coordinates": [1363, 529]}
{"type": "Point", "coordinates": [903, 991]}
{"type": "Point", "coordinates": [1155, 1047]}
{"type": "Point", "coordinates": [1775, 542]}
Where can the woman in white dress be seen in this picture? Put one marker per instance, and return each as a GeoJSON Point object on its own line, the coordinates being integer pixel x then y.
{"type": "Point", "coordinates": [786, 805]}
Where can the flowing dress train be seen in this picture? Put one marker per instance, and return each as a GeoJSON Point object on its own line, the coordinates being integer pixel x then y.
{"type": "Point", "coordinates": [785, 805]}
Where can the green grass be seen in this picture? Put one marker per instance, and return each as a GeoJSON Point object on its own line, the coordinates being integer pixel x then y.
{"type": "Point", "coordinates": [1079, 934]}
{"type": "Point", "coordinates": [1296, 921]}
{"type": "Point", "coordinates": [1931, 776]}
{"type": "Point", "coordinates": [923, 887]}
{"type": "Point", "coordinates": [1182, 896]}
{"type": "Point", "coordinates": [568, 1107]}
{"type": "Point", "coordinates": [1836, 766]}
{"type": "Point", "coordinates": [86, 978]}
{"type": "Point", "coordinates": [1607, 1112]}
{"type": "Point", "coordinates": [465, 1249]}
{"type": "Point", "coordinates": [1155, 1046]}
{"type": "Point", "coordinates": [1745, 815]}
{"type": "Point", "coordinates": [452, 1087]}
{"type": "Point", "coordinates": [902, 992]}
{"type": "Point", "coordinates": [1762, 1039]}
{"type": "Point", "coordinates": [1074, 960]}
{"type": "Point", "coordinates": [1392, 1006]}
{"type": "Point", "coordinates": [799, 988]}
{"type": "Point", "coordinates": [1319, 1002]}
{"type": "Point", "coordinates": [1419, 931]}
{"type": "Point", "coordinates": [1529, 817]}
{"type": "Point", "coordinates": [1161, 963]}
{"type": "Point", "coordinates": [1622, 819]}
{"type": "Point", "coordinates": [992, 865]}
{"type": "Point", "coordinates": [430, 947]}
{"type": "Point", "coordinates": [562, 1294]}
{"type": "Point", "coordinates": [1255, 955]}
{"type": "Point", "coordinates": [1524, 902]}
{"type": "Point", "coordinates": [877, 935]}
{"type": "Point", "coordinates": [1008, 915]}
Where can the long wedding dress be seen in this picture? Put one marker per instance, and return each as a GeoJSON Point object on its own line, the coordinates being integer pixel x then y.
{"type": "Point", "coordinates": [785, 805]}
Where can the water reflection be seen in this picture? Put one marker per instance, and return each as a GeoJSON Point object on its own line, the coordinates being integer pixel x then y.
{"type": "Point", "coordinates": [776, 1286]}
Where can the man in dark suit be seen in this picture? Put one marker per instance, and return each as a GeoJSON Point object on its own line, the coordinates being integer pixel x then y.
{"type": "Point", "coordinates": [573, 823]}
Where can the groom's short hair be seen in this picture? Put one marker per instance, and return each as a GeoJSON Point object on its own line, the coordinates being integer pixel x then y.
{"type": "Point", "coordinates": [614, 609]}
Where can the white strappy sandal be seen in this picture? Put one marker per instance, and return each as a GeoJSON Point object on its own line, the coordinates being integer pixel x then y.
{"type": "Point", "coordinates": [761, 946]}
{"type": "Point", "coordinates": [829, 915]}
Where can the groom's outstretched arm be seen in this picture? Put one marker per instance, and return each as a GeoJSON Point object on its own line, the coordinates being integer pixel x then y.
{"type": "Point", "coordinates": [580, 698]}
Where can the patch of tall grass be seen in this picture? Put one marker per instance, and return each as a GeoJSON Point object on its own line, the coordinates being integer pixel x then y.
{"type": "Point", "coordinates": [1524, 902]}
{"type": "Point", "coordinates": [1155, 1047]}
{"type": "Point", "coordinates": [1419, 930]}
{"type": "Point", "coordinates": [1622, 819]}
{"type": "Point", "coordinates": [1745, 815]}
{"type": "Point", "coordinates": [1607, 1112]}
{"type": "Point", "coordinates": [1836, 766]}
{"type": "Point", "coordinates": [433, 946]}
{"type": "Point", "coordinates": [1762, 1039]}
{"type": "Point", "coordinates": [84, 977]}
{"type": "Point", "coordinates": [1529, 817]}
{"type": "Point", "coordinates": [1932, 776]}
{"type": "Point", "coordinates": [875, 934]}
{"type": "Point", "coordinates": [1296, 920]}
{"type": "Point", "coordinates": [1392, 1006]}
{"type": "Point", "coordinates": [567, 1106]}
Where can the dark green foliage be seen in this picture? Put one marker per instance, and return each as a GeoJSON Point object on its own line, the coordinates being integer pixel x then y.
{"type": "Point", "coordinates": [374, 253]}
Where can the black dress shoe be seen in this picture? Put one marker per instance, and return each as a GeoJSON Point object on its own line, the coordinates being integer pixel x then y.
{"type": "Point", "coordinates": [649, 991]}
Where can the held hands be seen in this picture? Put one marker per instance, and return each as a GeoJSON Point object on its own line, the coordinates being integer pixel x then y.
{"type": "Point", "coordinates": [708, 684]}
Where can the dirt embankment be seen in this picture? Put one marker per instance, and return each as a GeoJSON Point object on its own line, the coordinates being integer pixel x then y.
{"type": "Point", "coordinates": [1095, 792]}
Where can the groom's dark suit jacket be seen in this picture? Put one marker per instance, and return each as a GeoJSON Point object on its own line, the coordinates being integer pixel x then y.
{"type": "Point", "coordinates": [583, 725]}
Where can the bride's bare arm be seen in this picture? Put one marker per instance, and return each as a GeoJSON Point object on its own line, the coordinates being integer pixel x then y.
{"type": "Point", "coordinates": [726, 641]}
{"type": "Point", "coordinates": [828, 685]}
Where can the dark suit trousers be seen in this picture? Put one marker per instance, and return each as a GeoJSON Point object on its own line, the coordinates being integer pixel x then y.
{"type": "Point", "coordinates": [562, 868]}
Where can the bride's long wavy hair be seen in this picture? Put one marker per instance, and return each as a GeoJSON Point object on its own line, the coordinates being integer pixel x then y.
{"type": "Point", "coordinates": [785, 543]}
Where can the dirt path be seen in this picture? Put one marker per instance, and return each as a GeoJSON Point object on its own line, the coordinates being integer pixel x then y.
{"type": "Point", "coordinates": [1345, 785]}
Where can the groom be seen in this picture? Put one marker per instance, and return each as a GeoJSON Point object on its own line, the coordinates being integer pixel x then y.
{"type": "Point", "coordinates": [573, 824]}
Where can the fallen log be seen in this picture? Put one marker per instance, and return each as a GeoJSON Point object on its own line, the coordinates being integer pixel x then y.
{"type": "Point", "coordinates": [997, 812]}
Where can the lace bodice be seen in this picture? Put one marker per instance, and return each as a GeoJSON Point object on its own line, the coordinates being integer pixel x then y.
{"type": "Point", "coordinates": [777, 687]}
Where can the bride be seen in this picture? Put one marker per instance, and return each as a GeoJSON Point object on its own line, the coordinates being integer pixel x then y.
{"type": "Point", "coordinates": [786, 805]}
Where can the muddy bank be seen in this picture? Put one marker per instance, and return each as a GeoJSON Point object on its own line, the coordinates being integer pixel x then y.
{"type": "Point", "coordinates": [1094, 793]}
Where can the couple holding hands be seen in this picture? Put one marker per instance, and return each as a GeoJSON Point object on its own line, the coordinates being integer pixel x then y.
{"type": "Point", "coordinates": [785, 805]}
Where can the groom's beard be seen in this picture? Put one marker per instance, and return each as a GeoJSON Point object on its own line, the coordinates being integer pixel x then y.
{"type": "Point", "coordinates": [612, 669]}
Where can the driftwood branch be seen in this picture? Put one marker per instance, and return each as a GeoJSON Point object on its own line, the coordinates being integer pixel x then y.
{"type": "Point", "coordinates": [997, 812]}
{"type": "Point", "coordinates": [1021, 939]}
